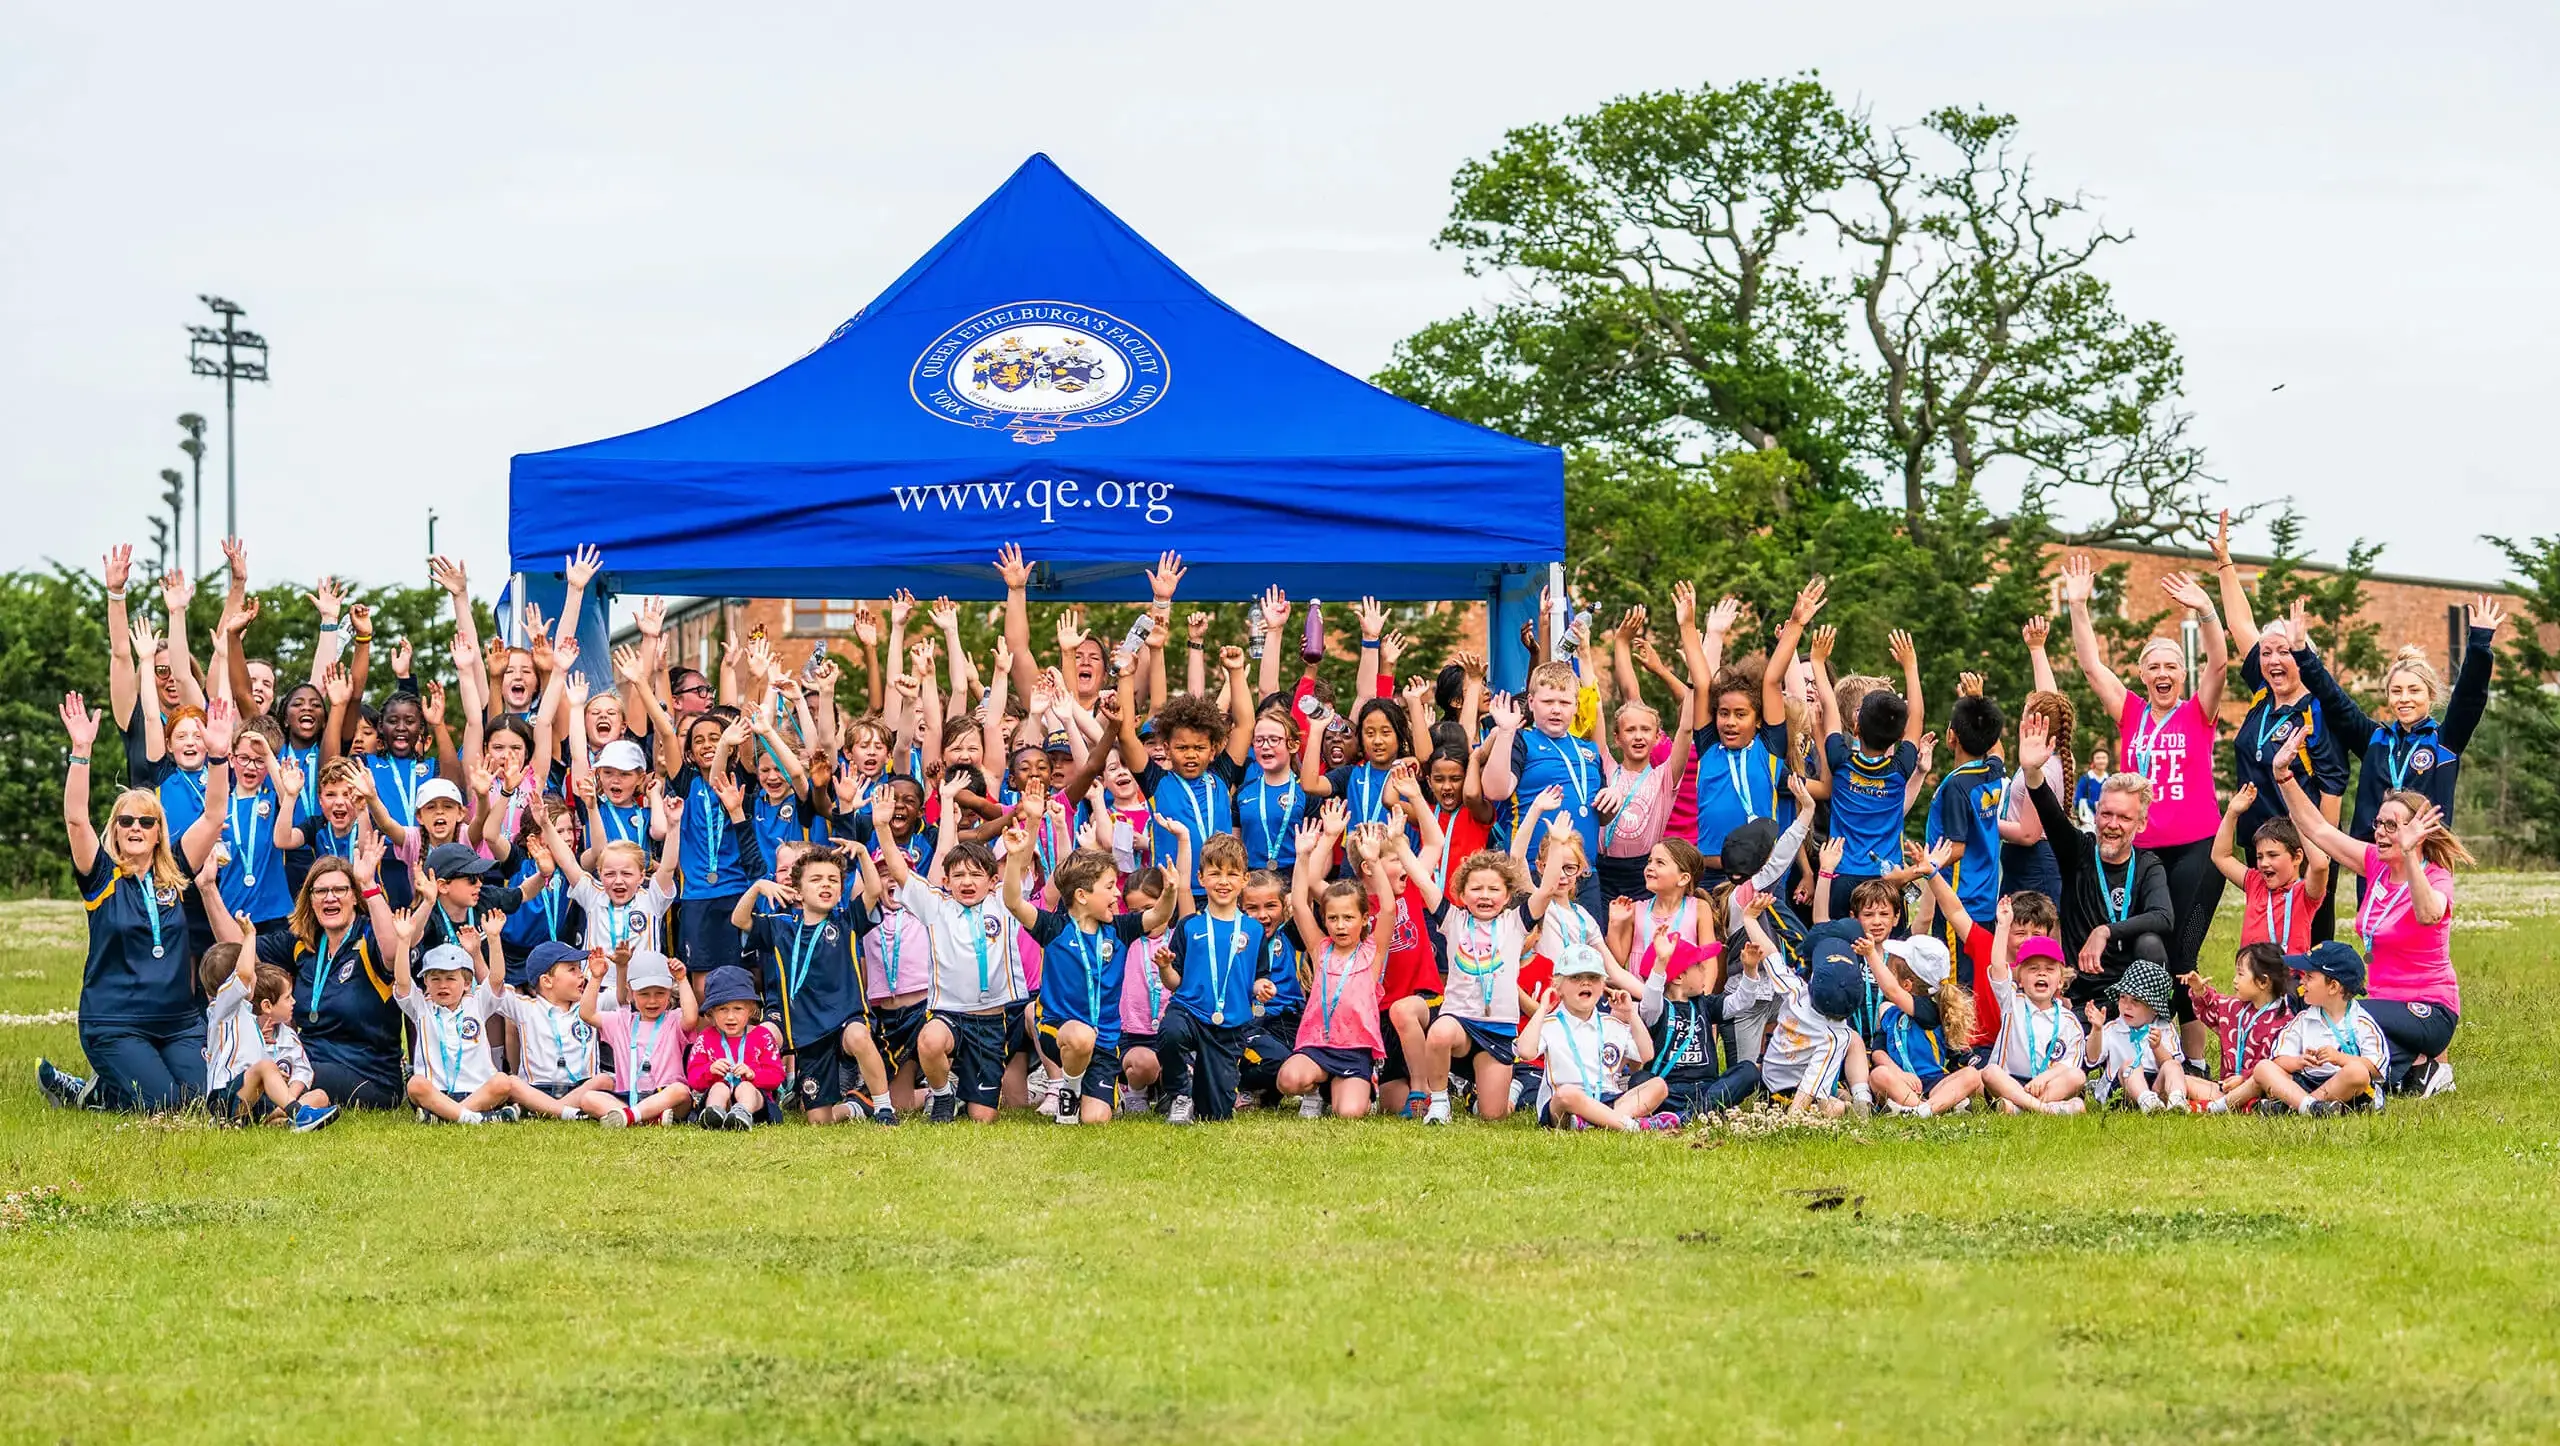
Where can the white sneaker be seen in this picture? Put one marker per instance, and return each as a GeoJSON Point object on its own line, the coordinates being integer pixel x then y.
{"type": "Point", "coordinates": [1178, 1112]}
{"type": "Point", "coordinates": [1044, 1090]}
{"type": "Point", "coordinates": [1310, 1107]}
{"type": "Point", "coordinates": [1897, 1107]}
{"type": "Point", "coordinates": [1437, 1114]}
{"type": "Point", "coordinates": [2439, 1079]}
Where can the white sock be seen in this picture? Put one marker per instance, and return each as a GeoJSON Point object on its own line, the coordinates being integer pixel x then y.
{"type": "Point", "coordinates": [1631, 1127]}
{"type": "Point", "coordinates": [1862, 1094]}
{"type": "Point", "coordinates": [1439, 1097]}
{"type": "Point", "coordinates": [950, 1085]}
{"type": "Point", "coordinates": [1074, 1083]}
{"type": "Point", "coordinates": [470, 1117]}
{"type": "Point", "coordinates": [570, 1112]}
{"type": "Point", "coordinates": [2303, 1108]}
{"type": "Point", "coordinates": [2217, 1107]}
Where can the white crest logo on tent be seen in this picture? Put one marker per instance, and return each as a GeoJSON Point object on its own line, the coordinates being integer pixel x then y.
{"type": "Point", "coordinates": [1038, 368]}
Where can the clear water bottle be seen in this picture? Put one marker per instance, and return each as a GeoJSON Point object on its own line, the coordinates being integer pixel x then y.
{"type": "Point", "coordinates": [1134, 641]}
{"type": "Point", "coordinates": [1253, 630]}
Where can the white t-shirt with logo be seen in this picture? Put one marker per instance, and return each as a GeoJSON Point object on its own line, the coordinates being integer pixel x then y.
{"type": "Point", "coordinates": [611, 925]}
{"type": "Point", "coordinates": [450, 1047]}
{"type": "Point", "coordinates": [1591, 1055]}
{"type": "Point", "coordinates": [233, 1041]}
{"type": "Point", "coordinates": [556, 1047]}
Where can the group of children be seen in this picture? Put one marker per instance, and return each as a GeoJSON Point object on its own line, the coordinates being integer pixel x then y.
{"type": "Point", "coordinates": [1079, 890]}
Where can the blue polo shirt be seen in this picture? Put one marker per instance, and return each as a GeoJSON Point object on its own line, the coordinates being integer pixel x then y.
{"type": "Point", "coordinates": [1205, 805]}
{"type": "Point", "coordinates": [1219, 960]}
{"type": "Point", "coordinates": [807, 974]}
{"type": "Point", "coordinates": [1866, 804]}
{"type": "Point", "coordinates": [253, 883]}
{"type": "Point", "coordinates": [1966, 810]}
{"type": "Point", "coordinates": [1540, 762]}
{"type": "Point", "coordinates": [1267, 816]}
{"type": "Point", "coordinates": [708, 859]}
{"type": "Point", "coordinates": [1737, 785]}
{"type": "Point", "coordinates": [1081, 973]}
{"type": "Point", "coordinates": [123, 982]}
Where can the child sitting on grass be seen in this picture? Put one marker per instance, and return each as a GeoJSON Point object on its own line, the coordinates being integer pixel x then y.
{"type": "Point", "coordinates": [647, 1085]}
{"type": "Point", "coordinates": [1485, 924]}
{"type": "Point", "coordinates": [2246, 1022]}
{"type": "Point", "coordinates": [1920, 1069]}
{"type": "Point", "coordinates": [1589, 1053]}
{"type": "Point", "coordinates": [2135, 1056]}
{"type": "Point", "coordinates": [453, 1078]}
{"type": "Point", "coordinates": [1809, 1042]}
{"type": "Point", "coordinates": [2034, 1063]}
{"type": "Point", "coordinates": [1685, 1010]}
{"type": "Point", "coordinates": [556, 1051]}
{"type": "Point", "coordinates": [734, 1065]}
{"type": "Point", "coordinates": [2330, 1056]}
{"type": "Point", "coordinates": [254, 1064]}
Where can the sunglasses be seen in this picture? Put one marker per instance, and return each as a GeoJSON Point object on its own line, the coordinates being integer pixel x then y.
{"type": "Point", "coordinates": [136, 820]}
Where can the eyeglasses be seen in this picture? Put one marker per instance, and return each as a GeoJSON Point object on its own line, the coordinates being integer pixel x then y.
{"type": "Point", "coordinates": [331, 891]}
{"type": "Point", "coordinates": [136, 820]}
{"type": "Point", "coordinates": [692, 688]}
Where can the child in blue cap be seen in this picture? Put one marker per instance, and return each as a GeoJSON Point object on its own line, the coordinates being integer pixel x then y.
{"type": "Point", "coordinates": [2330, 1056]}
{"type": "Point", "coordinates": [557, 1053]}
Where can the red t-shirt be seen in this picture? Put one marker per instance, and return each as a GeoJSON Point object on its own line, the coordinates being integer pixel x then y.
{"type": "Point", "coordinates": [1461, 833]}
{"type": "Point", "coordinates": [1986, 1005]}
{"type": "Point", "coordinates": [1413, 966]}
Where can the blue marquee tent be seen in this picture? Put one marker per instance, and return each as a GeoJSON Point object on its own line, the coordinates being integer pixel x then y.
{"type": "Point", "coordinates": [1044, 376]}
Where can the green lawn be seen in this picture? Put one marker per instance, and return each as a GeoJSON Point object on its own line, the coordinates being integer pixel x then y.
{"type": "Point", "coordinates": [2099, 1279]}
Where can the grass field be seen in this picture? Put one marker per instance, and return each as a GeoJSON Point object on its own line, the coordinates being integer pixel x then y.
{"type": "Point", "coordinates": [2099, 1279]}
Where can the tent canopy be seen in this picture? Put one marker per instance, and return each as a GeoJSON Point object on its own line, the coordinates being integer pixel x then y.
{"type": "Point", "coordinates": [1045, 377]}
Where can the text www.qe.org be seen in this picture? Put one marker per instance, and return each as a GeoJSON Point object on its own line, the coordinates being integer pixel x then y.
{"type": "Point", "coordinates": [1047, 496]}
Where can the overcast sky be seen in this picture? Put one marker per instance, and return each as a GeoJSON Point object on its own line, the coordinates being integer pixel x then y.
{"type": "Point", "coordinates": [471, 232]}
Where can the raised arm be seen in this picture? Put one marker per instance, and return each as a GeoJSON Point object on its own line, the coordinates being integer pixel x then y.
{"type": "Point", "coordinates": [1017, 616]}
{"type": "Point", "coordinates": [78, 827]}
{"type": "Point", "coordinates": [2235, 598]}
{"type": "Point", "coordinates": [2232, 870]}
{"type": "Point", "coordinates": [1773, 678]}
{"type": "Point", "coordinates": [2316, 830]}
{"type": "Point", "coordinates": [2190, 594]}
{"type": "Point", "coordinates": [175, 593]}
{"type": "Point", "coordinates": [2039, 664]}
{"type": "Point", "coordinates": [2079, 585]}
{"type": "Point", "coordinates": [1373, 630]}
{"type": "Point", "coordinates": [1275, 641]}
{"type": "Point", "coordinates": [1915, 726]}
{"type": "Point", "coordinates": [123, 677]}
{"type": "Point", "coordinates": [1499, 780]}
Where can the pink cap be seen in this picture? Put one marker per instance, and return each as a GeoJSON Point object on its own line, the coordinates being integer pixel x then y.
{"type": "Point", "coordinates": [2041, 946]}
{"type": "Point", "coordinates": [1685, 956]}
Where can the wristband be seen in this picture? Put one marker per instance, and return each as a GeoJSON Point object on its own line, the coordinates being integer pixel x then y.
{"type": "Point", "coordinates": [1369, 642]}
{"type": "Point", "coordinates": [210, 760]}
{"type": "Point", "coordinates": [364, 637]}
{"type": "Point", "coordinates": [1830, 873]}
{"type": "Point", "coordinates": [116, 595]}
{"type": "Point", "coordinates": [373, 893]}
{"type": "Point", "coordinates": [79, 760]}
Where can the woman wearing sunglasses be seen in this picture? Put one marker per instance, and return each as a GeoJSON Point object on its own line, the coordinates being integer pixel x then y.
{"type": "Point", "coordinates": [141, 1015]}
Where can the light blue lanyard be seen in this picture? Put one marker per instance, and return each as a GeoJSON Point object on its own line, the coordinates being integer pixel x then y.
{"type": "Point", "coordinates": [246, 835]}
{"type": "Point", "coordinates": [804, 943]}
{"type": "Point", "coordinates": [452, 1057]}
{"type": "Point", "coordinates": [1093, 953]}
{"type": "Point", "coordinates": [2051, 1050]}
{"type": "Point", "coordinates": [2240, 1038]}
{"type": "Point", "coordinates": [1222, 962]}
{"type": "Point", "coordinates": [978, 937]}
{"type": "Point", "coordinates": [319, 977]}
{"type": "Point", "coordinates": [560, 1043]}
{"type": "Point", "coordinates": [1587, 1070]}
{"type": "Point", "coordinates": [1327, 1001]}
{"type": "Point", "coordinates": [642, 1055]}
{"type": "Point", "coordinates": [1288, 792]}
{"type": "Point", "coordinates": [151, 907]}
{"type": "Point", "coordinates": [2115, 914]}
{"type": "Point", "coordinates": [1366, 803]}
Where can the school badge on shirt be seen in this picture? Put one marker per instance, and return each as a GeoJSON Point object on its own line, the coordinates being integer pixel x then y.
{"type": "Point", "coordinates": [1038, 368]}
{"type": "Point", "coordinates": [2422, 759]}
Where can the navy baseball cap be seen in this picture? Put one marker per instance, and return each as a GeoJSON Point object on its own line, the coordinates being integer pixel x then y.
{"type": "Point", "coordinates": [1839, 980]}
{"type": "Point", "coordinates": [548, 955]}
{"type": "Point", "coordinates": [455, 861]}
{"type": "Point", "coordinates": [2337, 960]}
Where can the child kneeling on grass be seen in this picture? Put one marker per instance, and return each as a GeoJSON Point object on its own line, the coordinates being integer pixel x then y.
{"type": "Point", "coordinates": [453, 1078]}
{"type": "Point", "coordinates": [2135, 1057]}
{"type": "Point", "coordinates": [1339, 1042]}
{"type": "Point", "coordinates": [2330, 1056]}
{"type": "Point", "coordinates": [733, 1066]}
{"type": "Point", "coordinates": [2247, 1022]}
{"type": "Point", "coordinates": [1589, 1054]}
{"type": "Point", "coordinates": [647, 1085]}
{"type": "Point", "coordinates": [254, 1064]}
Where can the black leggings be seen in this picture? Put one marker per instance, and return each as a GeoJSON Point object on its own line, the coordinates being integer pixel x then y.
{"type": "Point", "coordinates": [2195, 891]}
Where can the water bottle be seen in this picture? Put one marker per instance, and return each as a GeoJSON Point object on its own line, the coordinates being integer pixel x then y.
{"type": "Point", "coordinates": [1311, 646]}
{"type": "Point", "coordinates": [1134, 641]}
{"type": "Point", "coordinates": [1253, 630]}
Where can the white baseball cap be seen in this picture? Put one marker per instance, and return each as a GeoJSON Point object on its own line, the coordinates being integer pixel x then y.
{"type": "Point", "coordinates": [447, 957]}
{"type": "Point", "coordinates": [648, 970]}
{"type": "Point", "coordinates": [439, 788]}
{"type": "Point", "coordinates": [1925, 957]}
{"type": "Point", "coordinates": [624, 754]}
{"type": "Point", "coordinates": [1580, 959]}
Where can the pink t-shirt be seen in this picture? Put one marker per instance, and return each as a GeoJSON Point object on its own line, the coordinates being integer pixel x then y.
{"type": "Point", "coordinates": [1682, 819]}
{"type": "Point", "coordinates": [1142, 989]}
{"type": "Point", "coordinates": [2176, 754]}
{"type": "Point", "coordinates": [1647, 819]}
{"type": "Point", "coordinates": [897, 957]}
{"type": "Point", "coordinates": [2404, 959]}
{"type": "Point", "coordinates": [663, 1035]}
{"type": "Point", "coordinates": [1342, 1004]}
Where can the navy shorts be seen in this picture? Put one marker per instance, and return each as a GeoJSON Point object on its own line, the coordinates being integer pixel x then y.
{"type": "Point", "coordinates": [977, 1056]}
{"type": "Point", "coordinates": [1339, 1063]}
{"type": "Point", "coordinates": [1130, 1042]}
{"type": "Point", "coordinates": [893, 1032]}
{"type": "Point", "coordinates": [818, 1071]}
{"type": "Point", "coordinates": [224, 1103]}
{"type": "Point", "coordinates": [1017, 1029]}
{"type": "Point", "coordinates": [1101, 1073]}
{"type": "Point", "coordinates": [1485, 1040]}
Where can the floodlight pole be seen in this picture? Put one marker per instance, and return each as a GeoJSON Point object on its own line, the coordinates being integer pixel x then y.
{"type": "Point", "coordinates": [193, 446]}
{"type": "Point", "coordinates": [233, 368]}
